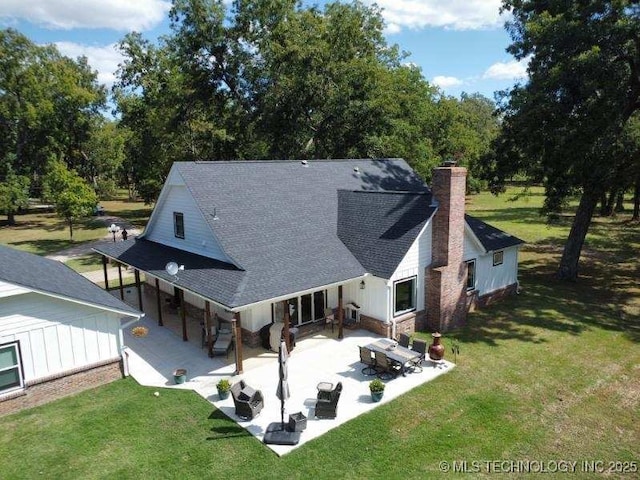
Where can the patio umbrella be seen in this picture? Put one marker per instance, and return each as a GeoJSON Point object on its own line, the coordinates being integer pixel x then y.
{"type": "Point", "coordinates": [277, 433]}
{"type": "Point", "coordinates": [282, 391]}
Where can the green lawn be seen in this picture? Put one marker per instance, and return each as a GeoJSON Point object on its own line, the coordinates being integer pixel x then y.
{"type": "Point", "coordinates": [45, 233]}
{"type": "Point", "coordinates": [552, 374]}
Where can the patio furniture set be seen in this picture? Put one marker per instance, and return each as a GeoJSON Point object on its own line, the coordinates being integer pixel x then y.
{"type": "Point", "coordinates": [387, 358]}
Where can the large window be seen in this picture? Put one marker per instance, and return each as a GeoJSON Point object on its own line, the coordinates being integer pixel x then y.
{"type": "Point", "coordinates": [10, 368]}
{"type": "Point", "coordinates": [178, 224]}
{"type": "Point", "coordinates": [498, 257]}
{"type": "Point", "coordinates": [471, 275]}
{"type": "Point", "coordinates": [405, 296]}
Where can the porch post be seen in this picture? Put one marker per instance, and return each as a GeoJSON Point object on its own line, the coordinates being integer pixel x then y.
{"type": "Point", "coordinates": [237, 324]}
{"type": "Point", "coordinates": [287, 321]}
{"type": "Point", "coordinates": [183, 316]}
{"type": "Point", "coordinates": [120, 278]}
{"type": "Point", "coordinates": [104, 269]}
{"type": "Point", "coordinates": [159, 303]}
{"type": "Point", "coordinates": [207, 323]}
{"type": "Point", "coordinates": [340, 313]}
{"type": "Point", "coordinates": [136, 273]}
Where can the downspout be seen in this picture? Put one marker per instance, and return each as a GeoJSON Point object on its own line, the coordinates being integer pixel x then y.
{"type": "Point", "coordinates": [123, 348]}
{"type": "Point", "coordinates": [391, 320]}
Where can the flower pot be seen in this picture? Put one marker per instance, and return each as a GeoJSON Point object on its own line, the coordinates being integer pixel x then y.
{"type": "Point", "coordinates": [436, 349]}
{"type": "Point", "coordinates": [376, 396]}
{"type": "Point", "coordinates": [223, 394]}
{"type": "Point", "coordinates": [180, 375]}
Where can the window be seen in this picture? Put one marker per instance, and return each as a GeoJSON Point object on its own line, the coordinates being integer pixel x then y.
{"type": "Point", "coordinates": [471, 274]}
{"type": "Point", "coordinates": [498, 257]}
{"type": "Point", "coordinates": [10, 368]}
{"type": "Point", "coordinates": [405, 296]}
{"type": "Point", "coordinates": [178, 224]}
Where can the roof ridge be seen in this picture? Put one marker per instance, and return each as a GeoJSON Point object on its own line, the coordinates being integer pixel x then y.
{"type": "Point", "coordinates": [387, 192]}
{"type": "Point", "coordinates": [299, 160]}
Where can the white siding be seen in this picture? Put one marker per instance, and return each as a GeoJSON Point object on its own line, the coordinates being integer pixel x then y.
{"type": "Point", "coordinates": [490, 278]}
{"type": "Point", "coordinates": [372, 299]}
{"type": "Point", "coordinates": [9, 289]}
{"type": "Point", "coordinates": [56, 335]}
{"type": "Point", "coordinates": [471, 248]}
{"type": "Point", "coordinates": [414, 263]}
{"type": "Point", "coordinates": [198, 237]}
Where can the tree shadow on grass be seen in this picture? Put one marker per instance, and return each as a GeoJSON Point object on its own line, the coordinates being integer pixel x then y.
{"type": "Point", "coordinates": [43, 247]}
{"type": "Point", "coordinates": [606, 296]}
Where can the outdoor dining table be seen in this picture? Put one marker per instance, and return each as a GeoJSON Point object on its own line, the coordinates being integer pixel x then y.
{"type": "Point", "coordinates": [395, 352]}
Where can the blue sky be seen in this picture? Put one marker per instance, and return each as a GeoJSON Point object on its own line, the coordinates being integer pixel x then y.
{"type": "Point", "coordinates": [459, 44]}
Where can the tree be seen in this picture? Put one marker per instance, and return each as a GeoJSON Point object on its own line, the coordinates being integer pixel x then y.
{"type": "Point", "coordinates": [14, 194]}
{"type": "Point", "coordinates": [72, 196]}
{"type": "Point", "coordinates": [47, 103]}
{"type": "Point", "coordinates": [563, 125]}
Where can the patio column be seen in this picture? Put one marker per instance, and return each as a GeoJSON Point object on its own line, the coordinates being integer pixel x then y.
{"type": "Point", "coordinates": [183, 316]}
{"type": "Point", "coordinates": [159, 303]}
{"type": "Point", "coordinates": [207, 322]}
{"type": "Point", "coordinates": [237, 325]}
{"type": "Point", "coordinates": [104, 269]}
{"type": "Point", "coordinates": [120, 278]}
{"type": "Point", "coordinates": [136, 273]}
{"type": "Point", "coordinates": [287, 321]}
{"type": "Point", "coordinates": [340, 313]}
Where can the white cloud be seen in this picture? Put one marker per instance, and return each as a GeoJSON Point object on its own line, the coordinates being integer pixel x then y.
{"type": "Point", "coordinates": [446, 82]}
{"type": "Point", "coordinates": [454, 14]}
{"type": "Point", "coordinates": [103, 59]}
{"type": "Point", "coordinates": [507, 70]}
{"type": "Point", "coordinates": [121, 15]}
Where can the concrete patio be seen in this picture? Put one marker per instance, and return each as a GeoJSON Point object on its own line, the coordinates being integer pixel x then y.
{"type": "Point", "coordinates": [153, 359]}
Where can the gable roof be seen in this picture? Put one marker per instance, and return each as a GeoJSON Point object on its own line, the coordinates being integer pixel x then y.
{"type": "Point", "coordinates": [56, 279]}
{"type": "Point", "coordinates": [380, 227]}
{"type": "Point", "coordinates": [490, 237]}
{"type": "Point", "coordinates": [278, 220]}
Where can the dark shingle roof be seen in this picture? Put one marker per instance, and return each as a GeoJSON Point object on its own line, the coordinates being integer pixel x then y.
{"type": "Point", "coordinates": [48, 276]}
{"type": "Point", "coordinates": [277, 220]}
{"type": "Point", "coordinates": [203, 275]}
{"type": "Point", "coordinates": [379, 227]}
{"type": "Point", "coordinates": [490, 237]}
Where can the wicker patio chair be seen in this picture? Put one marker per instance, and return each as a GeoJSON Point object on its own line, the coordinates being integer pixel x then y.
{"type": "Point", "coordinates": [403, 340]}
{"type": "Point", "coordinates": [369, 361]}
{"type": "Point", "coordinates": [248, 402]}
{"type": "Point", "coordinates": [327, 406]}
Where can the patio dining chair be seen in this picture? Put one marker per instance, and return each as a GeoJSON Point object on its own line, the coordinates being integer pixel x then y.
{"type": "Point", "coordinates": [329, 318]}
{"type": "Point", "coordinates": [369, 361]}
{"type": "Point", "coordinates": [419, 346]}
{"type": "Point", "coordinates": [387, 368]}
{"type": "Point", "coordinates": [403, 340]}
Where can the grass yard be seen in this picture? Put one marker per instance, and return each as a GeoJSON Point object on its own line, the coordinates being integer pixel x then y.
{"type": "Point", "coordinates": [552, 374]}
{"type": "Point", "coordinates": [45, 233]}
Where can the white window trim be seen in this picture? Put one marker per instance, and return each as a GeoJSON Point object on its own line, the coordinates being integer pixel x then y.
{"type": "Point", "coordinates": [413, 278]}
{"type": "Point", "coordinates": [175, 225]}
{"type": "Point", "coordinates": [501, 253]}
{"type": "Point", "coordinates": [16, 346]}
{"type": "Point", "coordinates": [475, 274]}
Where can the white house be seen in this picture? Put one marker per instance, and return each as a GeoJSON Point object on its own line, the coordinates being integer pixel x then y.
{"type": "Point", "coordinates": [365, 238]}
{"type": "Point", "coordinates": [59, 332]}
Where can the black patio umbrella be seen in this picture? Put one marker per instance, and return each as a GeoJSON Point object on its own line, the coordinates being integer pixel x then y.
{"type": "Point", "coordinates": [277, 433]}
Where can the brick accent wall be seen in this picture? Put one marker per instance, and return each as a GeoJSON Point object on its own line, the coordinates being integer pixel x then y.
{"type": "Point", "coordinates": [495, 296]}
{"type": "Point", "coordinates": [47, 389]}
{"type": "Point", "coordinates": [446, 278]}
{"type": "Point", "coordinates": [376, 326]}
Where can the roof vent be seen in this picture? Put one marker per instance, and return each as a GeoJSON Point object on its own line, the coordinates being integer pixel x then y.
{"type": "Point", "coordinates": [356, 169]}
{"type": "Point", "coordinates": [304, 163]}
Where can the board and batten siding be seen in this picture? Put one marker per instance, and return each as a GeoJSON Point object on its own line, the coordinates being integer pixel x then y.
{"type": "Point", "coordinates": [372, 299]}
{"type": "Point", "coordinates": [57, 335]}
{"type": "Point", "coordinates": [198, 237]}
{"type": "Point", "coordinates": [414, 263]}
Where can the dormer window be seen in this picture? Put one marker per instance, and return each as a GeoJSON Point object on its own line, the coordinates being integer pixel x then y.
{"type": "Point", "coordinates": [178, 224]}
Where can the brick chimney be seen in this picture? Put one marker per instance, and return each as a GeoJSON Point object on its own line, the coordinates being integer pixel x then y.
{"type": "Point", "coordinates": [446, 297]}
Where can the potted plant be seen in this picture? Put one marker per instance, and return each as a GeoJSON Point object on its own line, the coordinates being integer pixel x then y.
{"type": "Point", "coordinates": [377, 389]}
{"type": "Point", "coordinates": [223, 387]}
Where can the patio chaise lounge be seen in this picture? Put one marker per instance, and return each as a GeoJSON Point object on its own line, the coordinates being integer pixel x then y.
{"type": "Point", "coordinates": [327, 402]}
{"type": "Point", "coordinates": [248, 402]}
{"type": "Point", "coordinates": [223, 343]}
